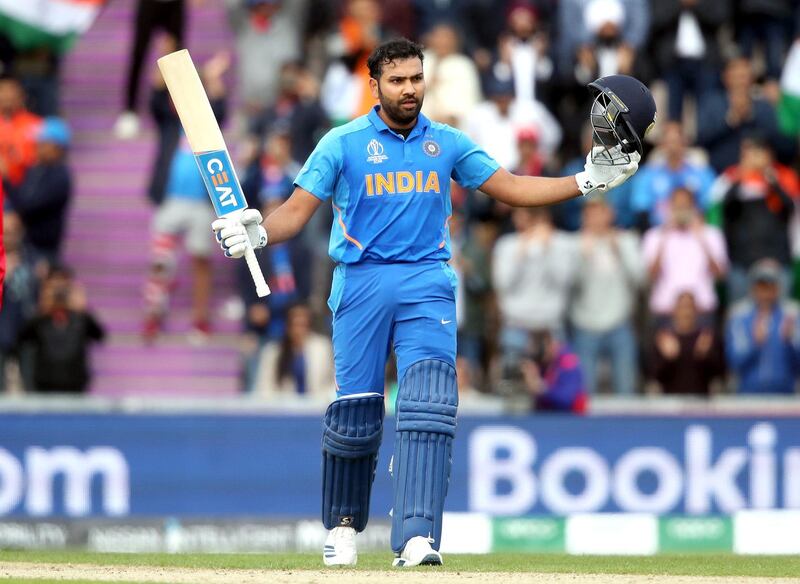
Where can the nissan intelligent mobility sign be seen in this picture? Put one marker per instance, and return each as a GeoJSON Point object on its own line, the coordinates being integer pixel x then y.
{"type": "Point", "coordinates": [88, 465]}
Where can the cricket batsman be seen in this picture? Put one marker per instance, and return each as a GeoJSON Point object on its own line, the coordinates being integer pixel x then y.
{"type": "Point", "coordinates": [387, 175]}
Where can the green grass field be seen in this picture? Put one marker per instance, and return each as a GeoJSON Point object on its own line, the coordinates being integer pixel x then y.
{"type": "Point", "coordinates": [683, 565]}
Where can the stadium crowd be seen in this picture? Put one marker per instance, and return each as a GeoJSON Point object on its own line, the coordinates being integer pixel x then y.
{"type": "Point", "coordinates": [682, 281]}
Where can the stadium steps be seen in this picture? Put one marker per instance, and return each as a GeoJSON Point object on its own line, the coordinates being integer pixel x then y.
{"type": "Point", "coordinates": [108, 235]}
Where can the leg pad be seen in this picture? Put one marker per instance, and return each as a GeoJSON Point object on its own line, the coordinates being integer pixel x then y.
{"type": "Point", "coordinates": [353, 427]}
{"type": "Point", "coordinates": [427, 401]}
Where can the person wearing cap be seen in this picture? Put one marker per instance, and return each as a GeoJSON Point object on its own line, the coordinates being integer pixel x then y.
{"type": "Point", "coordinates": [763, 335]}
{"type": "Point", "coordinates": [42, 198]}
{"type": "Point", "coordinates": [495, 122]}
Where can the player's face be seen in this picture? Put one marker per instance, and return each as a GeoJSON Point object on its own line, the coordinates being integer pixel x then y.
{"type": "Point", "coordinates": [400, 90]}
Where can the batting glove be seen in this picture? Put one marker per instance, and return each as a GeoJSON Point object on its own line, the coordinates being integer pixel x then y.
{"type": "Point", "coordinates": [602, 178]}
{"type": "Point", "coordinates": [234, 235]}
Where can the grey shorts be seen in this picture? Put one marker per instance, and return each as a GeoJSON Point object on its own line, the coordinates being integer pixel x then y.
{"type": "Point", "coordinates": [190, 218]}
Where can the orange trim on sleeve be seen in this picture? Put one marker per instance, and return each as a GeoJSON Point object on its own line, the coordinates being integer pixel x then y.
{"type": "Point", "coordinates": [347, 236]}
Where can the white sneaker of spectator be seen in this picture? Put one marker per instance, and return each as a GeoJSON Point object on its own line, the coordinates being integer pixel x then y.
{"type": "Point", "coordinates": [127, 126]}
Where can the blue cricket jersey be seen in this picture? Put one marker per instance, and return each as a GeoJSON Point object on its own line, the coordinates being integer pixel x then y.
{"type": "Point", "coordinates": [391, 196]}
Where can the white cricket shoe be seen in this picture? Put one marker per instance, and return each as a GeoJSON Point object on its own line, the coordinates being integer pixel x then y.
{"type": "Point", "coordinates": [127, 126]}
{"type": "Point", "coordinates": [418, 552]}
{"type": "Point", "coordinates": [340, 547]}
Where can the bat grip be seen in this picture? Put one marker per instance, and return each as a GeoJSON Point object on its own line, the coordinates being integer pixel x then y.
{"type": "Point", "coordinates": [255, 271]}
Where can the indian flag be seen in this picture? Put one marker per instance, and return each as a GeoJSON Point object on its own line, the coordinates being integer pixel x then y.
{"type": "Point", "coordinates": [789, 105]}
{"type": "Point", "coordinates": [30, 24]}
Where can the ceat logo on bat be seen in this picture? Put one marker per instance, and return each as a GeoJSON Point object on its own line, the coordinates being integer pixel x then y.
{"type": "Point", "coordinates": [219, 177]}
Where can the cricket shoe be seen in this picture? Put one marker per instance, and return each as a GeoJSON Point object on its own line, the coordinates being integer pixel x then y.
{"type": "Point", "coordinates": [418, 552]}
{"type": "Point", "coordinates": [340, 547]}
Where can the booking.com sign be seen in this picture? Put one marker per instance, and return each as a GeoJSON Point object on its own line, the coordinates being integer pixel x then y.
{"type": "Point", "coordinates": [509, 476]}
{"type": "Point", "coordinates": [30, 482]}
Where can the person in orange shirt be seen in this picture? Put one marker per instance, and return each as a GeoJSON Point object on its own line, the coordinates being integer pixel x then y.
{"type": "Point", "coordinates": [757, 198]}
{"type": "Point", "coordinates": [18, 130]}
{"type": "Point", "coordinates": [358, 33]}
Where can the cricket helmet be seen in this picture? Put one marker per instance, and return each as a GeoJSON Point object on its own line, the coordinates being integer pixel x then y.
{"type": "Point", "coordinates": [623, 111]}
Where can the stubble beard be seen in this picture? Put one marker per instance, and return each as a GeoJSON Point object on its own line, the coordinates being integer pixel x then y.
{"type": "Point", "coordinates": [396, 113]}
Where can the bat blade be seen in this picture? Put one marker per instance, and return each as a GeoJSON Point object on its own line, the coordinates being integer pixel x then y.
{"type": "Point", "coordinates": [208, 145]}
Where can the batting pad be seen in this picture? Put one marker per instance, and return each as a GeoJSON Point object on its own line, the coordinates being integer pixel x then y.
{"type": "Point", "coordinates": [427, 401]}
{"type": "Point", "coordinates": [350, 442]}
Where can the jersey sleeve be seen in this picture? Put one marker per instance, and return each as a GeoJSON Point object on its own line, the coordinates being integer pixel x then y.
{"type": "Point", "coordinates": [319, 173]}
{"type": "Point", "coordinates": [473, 166]}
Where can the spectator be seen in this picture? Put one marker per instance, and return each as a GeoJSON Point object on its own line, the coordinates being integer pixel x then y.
{"type": "Point", "coordinates": [472, 261]}
{"type": "Point", "coordinates": [37, 66]}
{"type": "Point", "coordinates": [345, 88]}
{"type": "Point", "coordinates": [496, 122]}
{"type": "Point", "coordinates": [524, 54]}
{"type": "Point", "coordinates": [552, 375]}
{"type": "Point", "coordinates": [671, 166]}
{"type": "Point", "coordinates": [728, 117]}
{"type": "Point", "coordinates": [684, 255]}
{"type": "Point", "coordinates": [151, 15]}
{"type": "Point", "coordinates": [288, 265]}
{"type": "Point", "coordinates": [567, 215]}
{"type": "Point", "coordinates": [43, 196]}
{"type": "Point", "coordinates": [687, 356]}
{"type": "Point", "coordinates": [757, 208]}
{"type": "Point", "coordinates": [763, 335]}
{"type": "Point", "coordinates": [481, 21]}
{"type": "Point", "coordinates": [60, 335]}
{"type": "Point", "coordinates": [168, 125]}
{"type": "Point", "coordinates": [452, 86]}
{"type": "Point", "coordinates": [532, 272]}
{"type": "Point", "coordinates": [19, 302]}
{"type": "Point", "coordinates": [604, 52]}
{"type": "Point", "coordinates": [609, 273]}
{"type": "Point", "coordinates": [768, 23]}
{"type": "Point", "coordinates": [18, 129]}
{"type": "Point", "coordinates": [685, 48]}
{"type": "Point", "coordinates": [308, 121]}
{"type": "Point", "coordinates": [268, 34]}
{"type": "Point", "coordinates": [297, 107]}
{"type": "Point", "coordinates": [573, 31]}
{"type": "Point", "coordinates": [185, 211]}
{"type": "Point", "coordinates": [301, 363]}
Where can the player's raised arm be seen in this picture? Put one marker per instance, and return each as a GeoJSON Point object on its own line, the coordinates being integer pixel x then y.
{"type": "Point", "coordinates": [287, 220]}
{"type": "Point", "coordinates": [534, 191]}
{"type": "Point", "coordinates": [622, 112]}
{"type": "Point", "coordinates": [314, 184]}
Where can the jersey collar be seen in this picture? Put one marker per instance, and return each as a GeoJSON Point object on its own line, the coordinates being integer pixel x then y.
{"type": "Point", "coordinates": [422, 123]}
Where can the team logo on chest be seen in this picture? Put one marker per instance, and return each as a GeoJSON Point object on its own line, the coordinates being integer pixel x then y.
{"type": "Point", "coordinates": [431, 148]}
{"type": "Point", "coordinates": [375, 151]}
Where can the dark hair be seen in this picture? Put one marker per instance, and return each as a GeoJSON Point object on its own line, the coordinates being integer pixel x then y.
{"type": "Point", "coordinates": [391, 51]}
{"type": "Point", "coordinates": [285, 354]}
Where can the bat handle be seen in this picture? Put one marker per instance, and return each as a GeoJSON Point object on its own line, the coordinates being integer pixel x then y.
{"type": "Point", "coordinates": [255, 271]}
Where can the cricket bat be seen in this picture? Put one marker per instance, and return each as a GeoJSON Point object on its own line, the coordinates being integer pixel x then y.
{"type": "Point", "coordinates": [206, 141]}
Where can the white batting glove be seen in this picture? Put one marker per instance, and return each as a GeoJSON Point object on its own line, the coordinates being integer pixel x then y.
{"type": "Point", "coordinates": [234, 235]}
{"type": "Point", "coordinates": [601, 178]}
